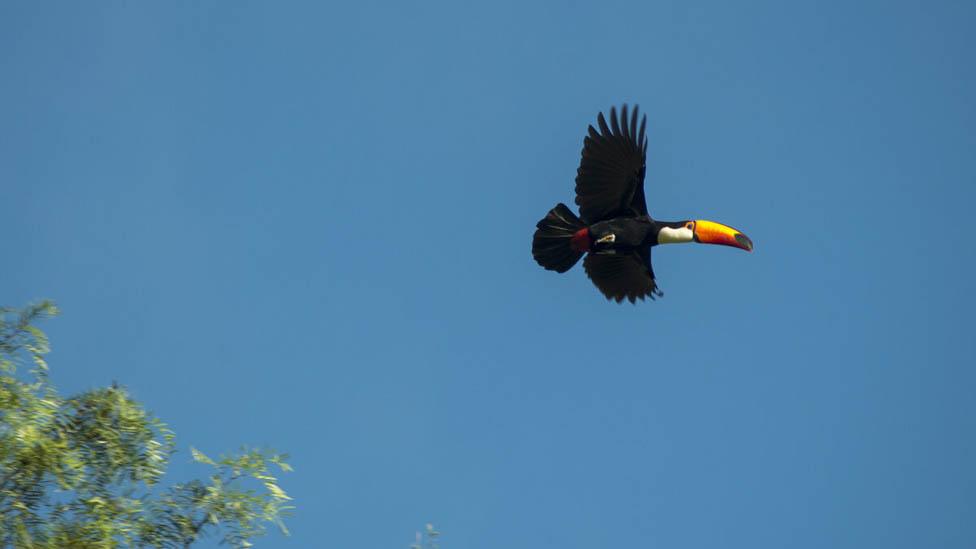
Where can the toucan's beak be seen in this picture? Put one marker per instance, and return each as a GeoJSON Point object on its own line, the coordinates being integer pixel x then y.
{"type": "Point", "coordinates": [710, 232]}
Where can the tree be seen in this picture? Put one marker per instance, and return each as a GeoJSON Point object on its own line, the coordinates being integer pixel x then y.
{"type": "Point", "coordinates": [86, 471]}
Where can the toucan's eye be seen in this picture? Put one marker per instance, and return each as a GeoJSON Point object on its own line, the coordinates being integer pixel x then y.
{"type": "Point", "coordinates": [690, 225]}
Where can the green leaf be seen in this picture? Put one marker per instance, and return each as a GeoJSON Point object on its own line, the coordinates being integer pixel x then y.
{"type": "Point", "coordinates": [277, 492]}
{"type": "Point", "coordinates": [201, 457]}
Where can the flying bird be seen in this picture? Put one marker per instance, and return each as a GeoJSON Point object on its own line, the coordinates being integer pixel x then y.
{"type": "Point", "coordinates": [613, 228]}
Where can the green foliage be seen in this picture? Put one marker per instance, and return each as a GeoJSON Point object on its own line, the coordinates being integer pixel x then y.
{"type": "Point", "coordinates": [429, 539]}
{"type": "Point", "coordinates": [85, 471]}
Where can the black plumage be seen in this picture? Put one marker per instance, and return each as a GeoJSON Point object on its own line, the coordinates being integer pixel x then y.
{"type": "Point", "coordinates": [610, 196]}
{"type": "Point", "coordinates": [623, 275]}
{"type": "Point", "coordinates": [613, 229]}
{"type": "Point", "coordinates": [610, 178]}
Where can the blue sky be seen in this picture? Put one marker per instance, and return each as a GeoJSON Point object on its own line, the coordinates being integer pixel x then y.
{"type": "Point", "coordinates": [308, 225]}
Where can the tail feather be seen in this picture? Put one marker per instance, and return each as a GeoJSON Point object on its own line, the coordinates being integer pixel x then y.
{"type": "Point", "coordinates": [552, 245]}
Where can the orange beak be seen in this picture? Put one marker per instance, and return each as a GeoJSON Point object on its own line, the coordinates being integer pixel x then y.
{"type": "Point", "coordinates": [710, 232]}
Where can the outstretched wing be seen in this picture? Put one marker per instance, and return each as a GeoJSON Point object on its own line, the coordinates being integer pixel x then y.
{"type": "Point", "coordinates": [610, 178]}
{"type": "Point", "coordinates": [623, 275]}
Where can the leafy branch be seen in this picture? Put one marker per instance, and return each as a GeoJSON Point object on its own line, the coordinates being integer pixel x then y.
{"type": "Point", "coordinates": [85, 471]}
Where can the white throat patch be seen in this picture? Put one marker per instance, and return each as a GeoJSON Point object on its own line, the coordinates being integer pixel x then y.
{"type": "Point", "coordinates": [667, 235]}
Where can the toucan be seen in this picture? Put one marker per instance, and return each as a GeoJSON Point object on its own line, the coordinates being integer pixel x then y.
{"type": "Point", "coordinates": [613, 228]}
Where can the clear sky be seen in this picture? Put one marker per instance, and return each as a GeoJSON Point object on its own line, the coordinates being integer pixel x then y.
{"type": "Point", "coordinates": [308, 225]}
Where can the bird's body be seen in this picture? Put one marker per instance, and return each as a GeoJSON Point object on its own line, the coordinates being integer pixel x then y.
{"type": "Point", "coordinates": [627, 233]}
{"type": "Point", "coordinates": [614, 229]}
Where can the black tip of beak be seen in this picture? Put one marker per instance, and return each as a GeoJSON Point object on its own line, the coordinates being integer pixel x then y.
{"type": "Point", "coordinates": [744, 241]}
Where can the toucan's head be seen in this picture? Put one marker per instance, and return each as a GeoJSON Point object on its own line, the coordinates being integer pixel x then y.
{"type": "Point", "coordinates": [701, 230]}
